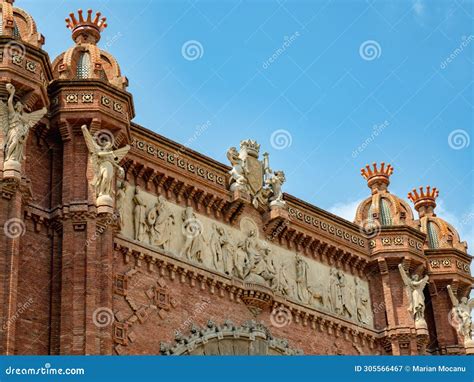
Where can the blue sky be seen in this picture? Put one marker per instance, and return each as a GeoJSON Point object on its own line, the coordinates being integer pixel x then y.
{"type": "Point", "coordinates": [350, 83]}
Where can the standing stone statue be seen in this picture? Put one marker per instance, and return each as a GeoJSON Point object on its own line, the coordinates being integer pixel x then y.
{"type": "Point", "coordinates": [463, 318]}
{"type": "Point", "coordinates": [139, 215]}
{"type": "Point", "coordinates": [302, 279]}
{"type": "Point", "coordinates": [104, 163]}
{"type": "Point", "coordinates": [16, 124]}
{"type": "Point", "coordinates": [414, 289]}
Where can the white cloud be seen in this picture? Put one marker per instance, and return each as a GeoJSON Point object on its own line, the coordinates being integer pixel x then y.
{"type": "Point", "coordinates": [346, 210]}
{"type": "Point", "coordinates": [463, 224]}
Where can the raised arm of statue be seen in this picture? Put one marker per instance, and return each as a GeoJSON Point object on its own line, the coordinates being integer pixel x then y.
{"type": "Point", "coordinates": [405, 277]}
{"type": "Point", "coordinates": [11, 92]}
{"type": "Point", "coordinates": [454, 300]}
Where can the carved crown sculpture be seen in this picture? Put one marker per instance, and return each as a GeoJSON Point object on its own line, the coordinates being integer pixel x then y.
{"type": "Point", "coordinates": [16, 23]}
{"type": "Point", "coordinates": [86, 30]}
{"type": "Point", "coordinates": [252, 147]}
{"type": "Point", "coordinates": [424, 198]}
{"type": "Point", "coordinates": [377, 175]}
{"type": "Point", "coordinates": [382, 206]}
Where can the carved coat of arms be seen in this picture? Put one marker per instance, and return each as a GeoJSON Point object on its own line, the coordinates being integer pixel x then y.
{"type": "Point", "coordinates": [254, 176]}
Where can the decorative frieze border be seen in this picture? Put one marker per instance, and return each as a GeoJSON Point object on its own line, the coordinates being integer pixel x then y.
{"type": "Point", "coordinates": [179, 160]}
{"type": "Point", "coordinates": [197, 276]}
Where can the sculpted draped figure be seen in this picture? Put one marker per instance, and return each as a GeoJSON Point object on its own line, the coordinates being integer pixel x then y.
{"type": "Point", "coordinates": [104, 163]}
{"type": "Point", "coordinates": [160, 223]}
{"type": "Point", "coordinates": [462, 317]}
{"type": "Point", "coordinates": [139, 215]}
{"type": "Point", "coordinates": [414, 289]}
{"type": "Point", "coordinates": [120, 200]}
{"type": "Point", "coordinates": [302, 279]}
{"type": "Point", "coordinates": [16, 124]}
{"type": "Point", "coordinates": [194, 248]}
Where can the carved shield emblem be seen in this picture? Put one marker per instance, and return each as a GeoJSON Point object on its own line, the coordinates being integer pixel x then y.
{"type": "Point", "coordinates": [255, 174]}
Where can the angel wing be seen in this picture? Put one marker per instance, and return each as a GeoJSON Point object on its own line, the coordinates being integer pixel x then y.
{"type": "Point", "coordinates": [119, 154]}
{"type": "Point", "coordinates": [93, 150]}
{"type": "Point", "coordinates": [34, 117]}
{"type": "Point", "coordinates": [470, 303]}
{"type": "Point", "coordinates": [4, 118]}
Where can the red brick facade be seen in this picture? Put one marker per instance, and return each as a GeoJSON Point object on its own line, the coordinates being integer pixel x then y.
{"type": "Point", "coordinates": [73, 282]}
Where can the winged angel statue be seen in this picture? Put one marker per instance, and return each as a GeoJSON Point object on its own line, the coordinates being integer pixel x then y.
{"type": "Point", "coordinates": [104, 162]}
{"type": "Point", "coordinates": [414, 289]}
{"type": "Point", "coordinates": [16, 124]}
{"type": "Point", "coordinates": [462, 315]}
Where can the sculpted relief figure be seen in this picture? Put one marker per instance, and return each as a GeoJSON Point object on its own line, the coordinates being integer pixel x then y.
{"type": "Point", "coordinates": [259, 267]}
{"type": "Point", "coordinates": [302, 279]}
{"type": "Point", "coordinates": [414, 289]}
{"type": "Point", "coordinates": [282, 284]}
{"type": "Point", "coordinates": [160, 222]}
{"type": "Point", "coordinates": [339, 294]}
{"type": "Point", "coordinates": [120, 201]}
{"type": "Point", "coordinates": [104, 163]}
{"type": "Point", "coordinates": [194, 246]}
{"type": "Point", "coordinates": [462, 317]}
{"type": "Point", "coordinates": [16, 124]}
{"type": "Point", "coordinates": [361, 303]}
{"type": "Point", "coordinates": [139, 215]}
{"type": "Point", "coordinates": [215, 246]}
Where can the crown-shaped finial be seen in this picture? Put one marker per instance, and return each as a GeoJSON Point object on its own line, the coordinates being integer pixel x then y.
{"type": "Point", "coordinates": [425, 198]}
{"type": "Point", "coordinates": [251, 146]}
{"type": "Point", "coordinates": [377, 174]}
{"type": "Point", "coordinates": [88, 29]}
